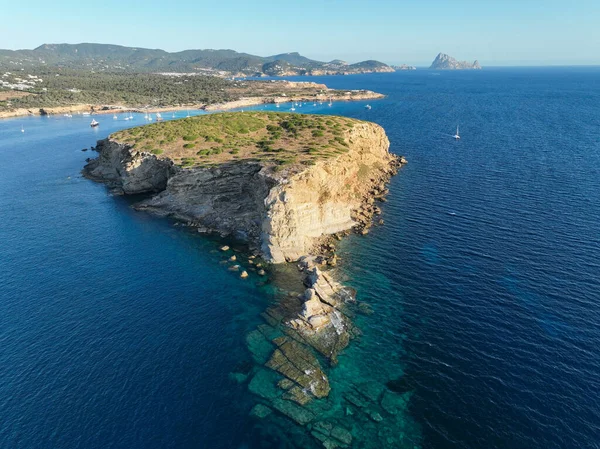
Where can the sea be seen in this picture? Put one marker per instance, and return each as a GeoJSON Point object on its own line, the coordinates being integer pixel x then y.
{"type": "Point", "coordinates": [122, 330]}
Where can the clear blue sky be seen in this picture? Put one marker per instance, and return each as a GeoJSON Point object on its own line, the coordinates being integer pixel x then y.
{"type": "Point", "coordinates": [508, 32]}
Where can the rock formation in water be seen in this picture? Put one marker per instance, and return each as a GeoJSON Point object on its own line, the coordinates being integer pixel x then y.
{"type": "Point", "coordinates": [445, 62]}
{"type": "Point", "coordinates": [339, 170]}
{"type": "Point", "coordinates": [280, 212]}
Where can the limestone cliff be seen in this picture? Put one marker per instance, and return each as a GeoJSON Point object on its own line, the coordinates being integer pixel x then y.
{"type": "Point", "coordinates": [281, 213]}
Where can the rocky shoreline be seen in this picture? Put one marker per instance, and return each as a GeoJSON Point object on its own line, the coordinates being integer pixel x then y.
{"type": "Point", "coordinates": [323, 94]}
{"type": "Point", "coordinates": [302, 212]}
{"type": "Point", "coordinates": [319, 97]}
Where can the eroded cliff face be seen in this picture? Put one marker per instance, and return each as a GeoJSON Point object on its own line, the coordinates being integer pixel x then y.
{"type": "Point", "coordinates": [280, 213]}
{"type": "Point", "coordinates": [127, 171]}
{"type": "Point", "coordinates": [321, 199]}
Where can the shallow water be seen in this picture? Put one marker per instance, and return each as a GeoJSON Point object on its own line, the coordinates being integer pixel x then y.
{"type": "Point", "coordinates": [120, 330]}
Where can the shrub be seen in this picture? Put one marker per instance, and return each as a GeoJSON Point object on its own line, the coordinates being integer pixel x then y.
{"type": "Point", "coordinates": [189, 145]}
{"type": "Point", "coordinates": [157, 151]}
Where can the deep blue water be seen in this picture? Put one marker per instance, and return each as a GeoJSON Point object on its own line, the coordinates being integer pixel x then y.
{"type": "Point", "coordinates": [120, 330]}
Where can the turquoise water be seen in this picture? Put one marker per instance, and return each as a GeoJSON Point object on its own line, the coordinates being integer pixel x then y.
{"type": "Point", "coordinates": [122, 330]}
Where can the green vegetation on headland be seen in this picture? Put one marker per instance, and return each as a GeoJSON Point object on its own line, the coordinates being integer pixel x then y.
{"type": "Point", "coordinates": [67, 87]}
{"type": "Point", "coordinates": [29, 91]}
{"type": "Point", "coordinates": [268, 137]}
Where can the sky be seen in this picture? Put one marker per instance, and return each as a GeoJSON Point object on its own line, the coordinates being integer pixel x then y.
{"type": "Point", "coordinates": [497, 33]}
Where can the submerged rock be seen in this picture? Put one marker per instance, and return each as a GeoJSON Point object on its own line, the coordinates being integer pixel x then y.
{"type": "Point", "coordinates": [260, 347]}
{"type": "Point", "coordinates": [264, 384]}
{"type": "Point", "coordinates": [260, 411]}
{"type": "Point", "coordinates": [293, 411]}
{"type": "Point", "coordinates": [395, 403]}
{"type": "Point", "coordinates": [296, 362]}
{"type": "Point", "coordinates": [341, 434]}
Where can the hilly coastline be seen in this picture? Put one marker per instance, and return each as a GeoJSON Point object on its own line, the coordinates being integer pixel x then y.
{"type": "Point", "coordinates": [116, 58]}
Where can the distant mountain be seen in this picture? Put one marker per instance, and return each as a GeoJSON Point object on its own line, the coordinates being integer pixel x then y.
{"type": "Point", "coordinates": [116, 58]}
{"type": "Point", "coordinates": [293, 58]}
{"type": "Point", "coordinates": [445, 62]}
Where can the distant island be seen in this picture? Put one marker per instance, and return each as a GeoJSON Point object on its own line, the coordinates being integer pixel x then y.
{"type": "Point", "coordinates": [224, 63]}
{"type": "Point", "coordinates": [444, 62]}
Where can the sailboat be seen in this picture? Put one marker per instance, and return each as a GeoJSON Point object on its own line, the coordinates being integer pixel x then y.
{"type": "Point", "coordinates": [173, 116]}
{"type": "Point", "coordinates": [368, 106]}
{"type": "Point", "coordinates": [188, 113]}
{"type": "Point", "coordinates": [149, 117]}
{"type": "Point", "coordinates": [330, 102]}
{"type": "Point", "coordinates": [158, 117]}
{"type": "Point", "coordinates": [292, 108]}
{"type": "Point", "coordinates": [276, 105]}
{"type": "Point", "coordinates": [456, 136]}
{"type": "Point", "coordinates": [22, 129]}
{"type": "Point", "coordinates": [115, 117]}
{"type": "Point", "coordinates": [130, 116]}
{"type": "Point", "coordinates": [94, 123]}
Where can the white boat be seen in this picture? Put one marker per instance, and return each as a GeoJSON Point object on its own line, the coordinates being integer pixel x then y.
{"type": "Point", "coordinates": [368, 106]}
{"type": "Point", "coordinates": [292, 108]}
{"type": "Point", "coordinates": [330, 102]}
{"type": "Point", "coordinates": [456, 136]}
{"type": "Point", "coordinates": [158, 117]}
{"type": "Point", "coordinates": [94, 123]}
{"type": "Point", "coordinates": [85, 113]}
{"type": "Point", "coordinates": [188, 113]}
{"type": "Point", "coordinates": [115, 117]}
{"type": "Point", "coordinates": [22, 129]}
{"type": "Point", "coordinates": [276, 105]}
{"type": "Point", "coordinates": [173, 116]}
{"type": "Point", "coordinates": [130, 116]}
{"type": "Point", "coordinates": [67, 115]}
{"type": "Point", "coordinates": [149, 117]}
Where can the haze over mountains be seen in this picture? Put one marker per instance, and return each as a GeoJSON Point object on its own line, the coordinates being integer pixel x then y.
{"type": "Point", "coordinates": [105, 57]}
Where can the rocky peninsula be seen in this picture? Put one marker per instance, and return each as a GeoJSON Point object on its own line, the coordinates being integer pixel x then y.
{"type": "Point", "coordinates": [224, 95]}
{"type": "Point", "coordinates": [289, 186]}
